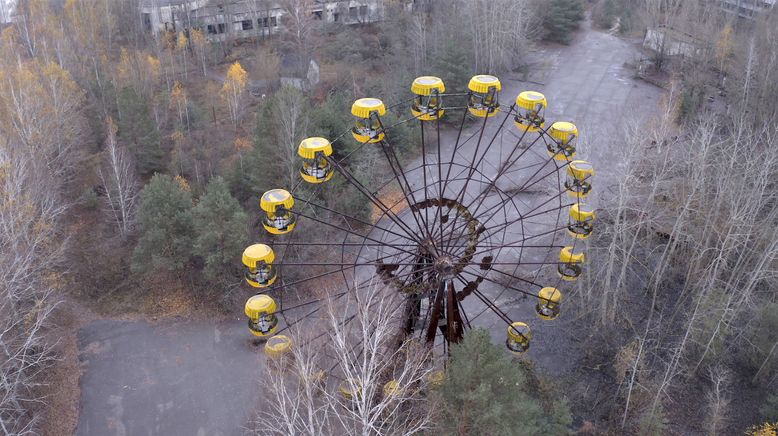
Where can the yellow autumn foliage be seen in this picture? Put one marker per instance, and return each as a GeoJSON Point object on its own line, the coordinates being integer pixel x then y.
{"type": "Point", "coordinates": [181, 41]}
{"type": "Point", "coordinates": [153, 66]}
{"type": "Point", "coordinates": [124, 69]}
{"type": "Point", "coordinates": [725, 43]}
{"type": "Point", "coordinates": [182, 183]}
{"type": "Point", "coordinates": [40, 107]}
{"type": "Point", "coordinates": [242, 144]}
{"type": "Point", "coordinates": [236, 79]}
{"type": "Point", "coordinates": [197, 36]}
{"type": "Point", "coordinates": [177, 95]}
{"type": "Point", "coordinates": [178, 137]}
{"type": "Point", "coordinates": [766, 429]}
{"type": "Point", "coordinates": [233, 87]}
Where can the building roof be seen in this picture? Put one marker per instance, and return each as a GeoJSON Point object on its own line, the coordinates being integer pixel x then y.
{"type": "Point", "coordinates": [160, 3]}
{"type": "Point", "coordinates": [294, 65]}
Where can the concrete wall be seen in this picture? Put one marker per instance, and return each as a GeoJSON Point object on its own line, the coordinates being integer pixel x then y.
{"type": "Point", "coordinates": [164, 15]}
{"type": "Point", "coordinates": [247, 18]}
{"type": "Point", "coordinates": [671, 44]}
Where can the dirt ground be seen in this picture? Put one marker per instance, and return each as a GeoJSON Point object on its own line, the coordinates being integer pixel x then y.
{"type": "Point", "coordinates": [61, 382]}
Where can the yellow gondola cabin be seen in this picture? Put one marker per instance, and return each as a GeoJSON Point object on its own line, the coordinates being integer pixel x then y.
{"type": "Point", "coordinates": [261, 311]}
{"type": "Point", "coordinates": [531, 108]}
{"type": "Point", "coordinates": [562, 148]}
{"type": "Point", "coordinates": [519, 337]}
{"type": "Point", "coordinates": [368, 126]}
{"type": "Point", "coordinates": [427, 106]}
{"type": "Point", "coordinates": [315, 168]}
{"type": "Point", "coordinates": [277, 204]}
{"type": "Point", "coordinates": [484, 96]}
{"type": "Point", "coordinates": [258, 258]}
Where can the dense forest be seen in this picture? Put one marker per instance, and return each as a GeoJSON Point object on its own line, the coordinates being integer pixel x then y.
{"type": "Point", "coordinates": [132, 161]}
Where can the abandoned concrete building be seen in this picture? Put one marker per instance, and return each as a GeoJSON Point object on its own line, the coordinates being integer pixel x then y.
{"type": "Point", "coordinates": [748, 9]}
{"type": "Point", "coordinates": [221, 19]}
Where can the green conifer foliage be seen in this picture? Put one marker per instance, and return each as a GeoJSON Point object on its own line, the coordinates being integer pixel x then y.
{"type": "Point", "coordinates": [452, 64]}
{"type": "Point", "coordinates": [220, 225]}
{"type": "Point", "coordinates": [165, 215]}
{"type": "Point", "coordinates": [138, 130]}
{"type": "Point", "coordinates": [486, 393]}
{"type": "Point", "coordinates": [561, 18]}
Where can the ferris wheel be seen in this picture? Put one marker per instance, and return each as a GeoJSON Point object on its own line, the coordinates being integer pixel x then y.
{"type": "Point", "coordinates": [495, 207]}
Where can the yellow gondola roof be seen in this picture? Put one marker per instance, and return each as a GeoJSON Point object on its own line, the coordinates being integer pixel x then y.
{"type": "Point", "coordinates": [278, 345]}
{"type": "Point", "coordinates": [276, 197]}
{"type": "Point", "coordinates": [550, 295]}
{"type": "Point", "coordinates": [563, 131]}
{"type": "Point", "coordinates": [253, 254]}
{"type": "Point", "coordinates": [424, 85]}
{"type": "Point", "coordinates": [519, 331]}
{"type": "Point", "coordinates": [530, 100]}
{"type": "Point", "coordinates": [363, 107]}
{"type": "Point", "coordinates": [581, 212]}
{"type": "Point", "coordinates": [483, 82]}
{"type": "Point", "coordinates": [310, 146]}
{"type": "Point", "coordinates": [260, 304]}
{"type": "Point", "coordinates": [566, 255]}
{"type": "Point", "coordinates": [580, 169]}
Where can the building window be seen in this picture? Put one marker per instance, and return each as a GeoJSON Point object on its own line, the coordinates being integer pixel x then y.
{"type": "Point", "coordinates": [211, 29]}
{"type": "Point", "coordinates": [267, 21]}
{"type": "Point", "coordinates": [352, 13]}
{"type": "Point", "coordinates": [222, 27]}
{"type": "Point", "coordinates": [336, 17]}
{"type": "Point", "coordinates": [146, 18]}
{"type": "Point", "coordinates": [363, 11]}
{"type": "Point", "coordinates": [317, 15]}
{"type": "Point", "coordinates": [247, 24]}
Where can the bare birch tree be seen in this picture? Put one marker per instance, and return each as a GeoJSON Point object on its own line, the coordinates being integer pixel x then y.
{"type": "Point", "coordinates": [691, 226]}
{"type": "Point", "coordinates": [300, 27]}
{"type": "Point", "coordinates": [364, 352]}
{"type": "Point", "coordinates": [29, 253]}
{"type": "Point", "coordinates": [291, 122]}
{"type": "Point", "coordinates": [233, 90]}
{"type": "Point", "coordinates": [40, 107]}
{"type": "Point", "coordinates": [120, 182]}
{"type": "Point", "coordinates": [718, 398]}
{"type": "Point", "coordinates": [497, 31]}
{"type": "Point", "coordinates": [497, 45]}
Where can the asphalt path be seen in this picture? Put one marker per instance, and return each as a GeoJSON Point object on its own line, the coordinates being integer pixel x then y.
{"type": "Point", "coordinates": [173, 378]}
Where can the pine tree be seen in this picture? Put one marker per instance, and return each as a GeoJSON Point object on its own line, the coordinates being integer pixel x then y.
{"type": "Point", "coordinates": [166, 225]}
{"type": "Point", "coordinates": [220, 225]}
{"type": "Point", "coordinates": [139, 131]}
{"type": "Point", "coordinates": [604, 14]}
{"type": "Point", "coordinates": [485, 393]}
{"type": "Point", "coordinates": [329, 120]}
{"type": "Point", "coordinates": [452, 63]}
{"type": "Point", "coordinates": [561, 18]}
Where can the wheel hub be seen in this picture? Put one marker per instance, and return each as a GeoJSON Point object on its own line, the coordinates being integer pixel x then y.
{"type": "Point", "coordinates": [445, 266]}
{"type": "Point", "coordinates": [431, 257]}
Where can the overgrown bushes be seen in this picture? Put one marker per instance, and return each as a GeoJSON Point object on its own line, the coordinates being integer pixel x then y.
{"type": "Point", "coordinates": [560, 19]}
{"type": "Point", "coordinates": [486, 393]}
